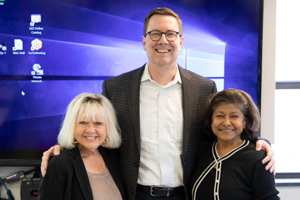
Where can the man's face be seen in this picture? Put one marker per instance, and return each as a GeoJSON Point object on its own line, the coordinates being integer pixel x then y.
{"type": "Point", "coordinates": [162, 52]}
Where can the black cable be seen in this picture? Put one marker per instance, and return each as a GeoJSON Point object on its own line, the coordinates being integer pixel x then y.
{"type": "Point", "coordinates": [17, 176]}
{"type": "Point", "coordinates": [37, 172]}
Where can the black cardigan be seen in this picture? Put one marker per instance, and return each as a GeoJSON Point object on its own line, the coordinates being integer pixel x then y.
{"type": "Point", "coordinates": [67, 178]}
{"type": "Point", "coordinates": [239, 175]}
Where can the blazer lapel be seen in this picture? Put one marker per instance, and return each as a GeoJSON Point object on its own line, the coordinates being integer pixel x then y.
{"type": "Point", "coordinates": [81, 175]}
{"type": "Point", "coordinates": [133, 91]}
{"type": "Point", "coordinates": [188, 100]}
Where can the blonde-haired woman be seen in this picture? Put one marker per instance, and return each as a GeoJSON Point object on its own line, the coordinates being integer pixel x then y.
{"type": "Point", "coordinates": [88, 167]}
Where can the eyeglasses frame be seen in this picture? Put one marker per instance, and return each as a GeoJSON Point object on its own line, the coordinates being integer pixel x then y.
{"type": "Point", "coordinates": [161, 33]}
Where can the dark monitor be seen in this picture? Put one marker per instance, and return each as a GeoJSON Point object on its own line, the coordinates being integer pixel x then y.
{"type": "Point", "coordinates": [52, 50]}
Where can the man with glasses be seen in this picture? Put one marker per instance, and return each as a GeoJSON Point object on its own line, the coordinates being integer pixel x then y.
{"type": "Point", "coordinates": [159, 108]}
{"type": "Point", "coordinates": [156, 35]}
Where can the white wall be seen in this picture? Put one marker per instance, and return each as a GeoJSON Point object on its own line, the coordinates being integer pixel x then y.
{"type": "Point", "coordinates": [269, 85]}
{"type": "Point", "coordinates": [268, 70]}
{"type": "Point", "coordinates": [289, 193]}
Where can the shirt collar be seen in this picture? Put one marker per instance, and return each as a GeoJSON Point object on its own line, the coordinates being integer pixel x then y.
{"type": "Point", "coordinates": [146, 76]}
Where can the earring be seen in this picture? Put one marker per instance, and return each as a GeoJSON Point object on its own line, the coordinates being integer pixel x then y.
{"type": "Point", "coordinates": [75, 141]}
{"type": "Point", "coordinates": [105, 141]}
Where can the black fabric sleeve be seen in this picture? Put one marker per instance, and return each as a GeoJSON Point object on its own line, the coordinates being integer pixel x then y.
{"type": "Point", "coordinates": [263, 183]}
{"type": "Point", "coordinates": [53, 184]}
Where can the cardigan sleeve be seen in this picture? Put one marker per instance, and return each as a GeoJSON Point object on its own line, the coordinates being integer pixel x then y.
{"type": "Point", "coordinates": [263, 183]}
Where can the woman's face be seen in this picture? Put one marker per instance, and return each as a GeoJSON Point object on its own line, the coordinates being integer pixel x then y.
{"type": "Point", "coordinates": [90, 134]}
{"type": "Point", "coordinates": [228, 123]}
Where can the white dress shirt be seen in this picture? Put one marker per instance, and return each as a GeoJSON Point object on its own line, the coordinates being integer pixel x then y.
{"type": "Point", "coordinates": [161, 118]}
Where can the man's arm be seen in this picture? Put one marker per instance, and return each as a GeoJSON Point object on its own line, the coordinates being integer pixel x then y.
{"type": "Point", "coordinates": [53, 151]}
{"type": "Point", "coordinates": [263, 145]}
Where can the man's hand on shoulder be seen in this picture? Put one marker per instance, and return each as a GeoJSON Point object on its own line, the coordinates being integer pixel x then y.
{"type": "Point", "coordinates": [263, 145]}
{"type": "Point", "coordinates": [53, 151]}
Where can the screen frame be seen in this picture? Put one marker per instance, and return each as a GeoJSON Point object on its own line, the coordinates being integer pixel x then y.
{"type": "Point", "coordinates": [33, 157]}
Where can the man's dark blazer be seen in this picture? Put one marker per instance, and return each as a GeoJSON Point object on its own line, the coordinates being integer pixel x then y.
{"type": "Point", "coordinates": [123, 91]}
{"type": "Point", "coordinates": [67, 179]}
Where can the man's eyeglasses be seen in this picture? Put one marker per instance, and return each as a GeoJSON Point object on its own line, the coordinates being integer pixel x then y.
{"type": "Point", "coordinates": [156, 35]}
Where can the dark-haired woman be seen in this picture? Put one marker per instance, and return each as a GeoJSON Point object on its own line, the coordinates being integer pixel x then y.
{"type": "Point", "coordinates": [229, 167]}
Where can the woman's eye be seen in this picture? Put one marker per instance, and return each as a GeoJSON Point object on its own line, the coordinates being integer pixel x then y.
{"type": "Point", "coordinates": [98, 123]}
{"type": "Point", "coordinates": [83, 123]}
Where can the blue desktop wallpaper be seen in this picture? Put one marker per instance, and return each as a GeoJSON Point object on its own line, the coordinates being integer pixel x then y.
{"type": "Point", "coordinates": [52, 50]}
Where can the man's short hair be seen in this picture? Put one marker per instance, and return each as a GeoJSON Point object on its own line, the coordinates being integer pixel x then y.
{"type": "Point", "coordinates": [162, 11]}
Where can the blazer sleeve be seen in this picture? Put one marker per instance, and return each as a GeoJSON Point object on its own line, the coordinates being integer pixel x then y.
{"type": "Point", "coordinates": [104, 91]}
{"type": "Point", "coordinates": [54, 182]}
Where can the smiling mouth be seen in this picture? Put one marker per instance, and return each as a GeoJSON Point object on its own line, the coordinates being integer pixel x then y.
{"type": "Point", "coordinates": [227, 130]}
{"type": "Point", "coordinates": [162, 50]}
{"type": "Point", "coordinates": [90, 137]}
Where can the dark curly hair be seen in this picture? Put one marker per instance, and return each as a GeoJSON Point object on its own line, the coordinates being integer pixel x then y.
{"type": "Point", "coordinates": [240, 99]}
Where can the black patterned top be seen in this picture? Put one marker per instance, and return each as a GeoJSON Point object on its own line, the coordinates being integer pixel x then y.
{"type": "Point", "coordinates": [238, 175]}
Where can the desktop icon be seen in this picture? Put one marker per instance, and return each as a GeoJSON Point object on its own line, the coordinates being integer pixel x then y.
{"type": "Point", "coordinates": [35, 18]}
{"type": "Point", "coordinates": [36, 45]}
{"type": "Point", "coordinates": [3, 47]}
{"type": "Point", "coordinates": [37, 70]}
{"type": "Point", "coordinates": [18, 45]}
